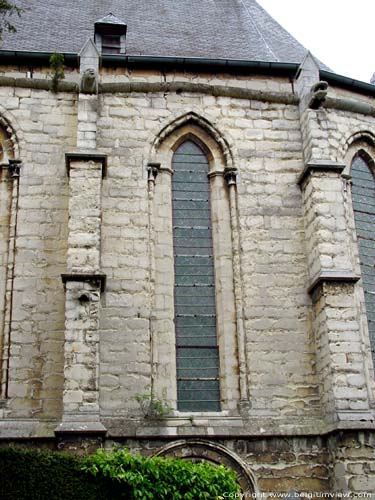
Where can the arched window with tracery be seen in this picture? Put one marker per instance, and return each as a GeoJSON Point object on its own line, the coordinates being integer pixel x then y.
{"type": "Point", "coordinates": [363, 197]}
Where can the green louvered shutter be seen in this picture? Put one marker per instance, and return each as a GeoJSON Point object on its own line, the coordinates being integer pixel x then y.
{"type": "Point", "coordinates": [194, 291]}
{"type": "Point", "coordinates": [363, 194]}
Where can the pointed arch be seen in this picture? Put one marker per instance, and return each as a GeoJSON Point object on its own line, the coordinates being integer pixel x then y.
{"type": "Point", "coordinates": [366, 153]}
{"type": "Point", "coordinates": [12, 133]}
{"type": "Point", "coordinates": [365, 136]}
{"type": "Point", "coordinates": [193, 125]}
{"type": "Point", "coordinates": [202, 450]}
{"type": "Point", "coordinates": [360, 143]}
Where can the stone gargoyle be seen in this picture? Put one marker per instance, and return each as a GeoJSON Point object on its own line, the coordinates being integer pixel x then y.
{"type": "Point", "coordinates": [89, 82]}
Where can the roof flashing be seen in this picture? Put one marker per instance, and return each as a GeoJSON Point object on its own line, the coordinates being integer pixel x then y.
{"type": "Point", "coordinates": [110, 25]}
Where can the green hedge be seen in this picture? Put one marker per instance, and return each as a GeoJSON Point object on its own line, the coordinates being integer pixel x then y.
{"type": "Point", "coordinates": [28, 474]}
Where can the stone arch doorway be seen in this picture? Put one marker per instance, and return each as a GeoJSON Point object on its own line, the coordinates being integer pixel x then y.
{"type": "Point", "coordinates": [201, 450]}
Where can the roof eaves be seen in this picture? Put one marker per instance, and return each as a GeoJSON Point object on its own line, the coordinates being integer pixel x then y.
{"type": "Point", "coordinates": [71, 59]}
{"type": "Point", "coordinates": [348, 83]}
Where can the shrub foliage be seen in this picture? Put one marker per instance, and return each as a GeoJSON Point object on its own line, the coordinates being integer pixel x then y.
{"type": "Point", "coordinates": [28, 474]}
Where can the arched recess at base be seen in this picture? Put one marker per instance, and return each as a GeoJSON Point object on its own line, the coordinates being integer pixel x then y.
{"type": "Point", "coordinates": [201, 450]}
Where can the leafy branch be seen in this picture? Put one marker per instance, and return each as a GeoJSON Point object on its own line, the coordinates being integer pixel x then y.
{"type": "Point", "coordinates": [56, 62]}
{"type": "Point", "coordinates": [6, 10]}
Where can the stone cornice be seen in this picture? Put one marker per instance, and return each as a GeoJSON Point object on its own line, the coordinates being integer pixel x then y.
{"type": "Point", "coordinates": [320, 166]}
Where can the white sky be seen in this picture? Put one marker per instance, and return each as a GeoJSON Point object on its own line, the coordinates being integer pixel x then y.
{"type": "Point", "coordinates": [341, 33]}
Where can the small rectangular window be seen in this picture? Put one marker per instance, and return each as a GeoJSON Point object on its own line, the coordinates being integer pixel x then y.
{"type": "Point", "coordinates": [111, 44]}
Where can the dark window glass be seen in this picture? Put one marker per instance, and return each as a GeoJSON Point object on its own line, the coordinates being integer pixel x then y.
{"type": "Point", "coordinates": [194, 292]}
{"type": "Point", "coordinates": [363, 194]}
{"type": "Point", "coordinates": [111, 44]}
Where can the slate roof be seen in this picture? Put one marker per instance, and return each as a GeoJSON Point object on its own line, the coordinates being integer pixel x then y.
{"type": "Point", "coordinates": [225, 29]}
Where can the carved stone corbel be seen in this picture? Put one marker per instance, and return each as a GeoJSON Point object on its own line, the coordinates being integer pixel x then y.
{"type": "Point", "coordinates": [230, 175]}
{"type": "Point", "coordinates": [15, 168]}
{"type": "Point", "coordinates": [152, 171]}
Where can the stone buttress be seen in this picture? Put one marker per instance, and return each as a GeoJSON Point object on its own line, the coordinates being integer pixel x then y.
{"type": "Point", "coordinates": [339, 357]}
{"type": "Point", "coordinates": [83, 280]}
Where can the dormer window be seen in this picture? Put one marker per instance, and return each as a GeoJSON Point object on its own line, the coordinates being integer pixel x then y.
{"type": "Point", "coordinates": [110, 35]}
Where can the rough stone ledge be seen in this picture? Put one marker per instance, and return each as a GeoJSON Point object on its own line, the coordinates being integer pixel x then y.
{"type": "Point", "coordinates": [349, 105]}
{"type": "Point", "coordinates": [96, 428]}
{"type": "Point", "coordinates": [27, 429]}
{"type": "Point", "coordinates": [216, 90]}
{"type": "Point", "coordinates": [86, 156]}
{"type": "Point", "coordinates": [211, 426]}
{"type": "Point", "coordinates": [87, 277]}
{"type": "Point", "coordinates": [145, 87]}
{"type": "Point", "coordinates": [200, 88]}
{"type": "Point", "coordinates": [37, 83]}
{"type": "Point", "coordinates": [320, 166]}
{"type": "Point", "coordinates": [332, 277]}
{"type": "Point", "coordinates": [357, 416]}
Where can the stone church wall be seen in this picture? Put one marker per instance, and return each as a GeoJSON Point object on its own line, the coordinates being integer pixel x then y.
{"type": "Point", "coordinates": [304, 374]}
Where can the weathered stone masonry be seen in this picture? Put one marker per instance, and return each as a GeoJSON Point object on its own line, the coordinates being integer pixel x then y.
{"type": "Point", "coordinates": [92, 309]}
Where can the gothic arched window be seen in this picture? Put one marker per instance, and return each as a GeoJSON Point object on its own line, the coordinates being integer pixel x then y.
{"type": "Point", "coordinates": [195, 329]}
{"type": "Point", "coordinates": [197, 353]}
{"type": "Point", "coordinates": [363, 196]}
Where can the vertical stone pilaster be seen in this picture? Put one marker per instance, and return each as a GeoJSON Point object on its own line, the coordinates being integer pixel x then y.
{"type": "Point", "coordinates": [164, 377]}
{"type": "Point", "coordinates": [231, 178]}
{"type": "Point", "coordinates": [83, 285]}
{"type": "Point", "coordinates": [152, 172]}
{"type": "Point", "coordinates": [10, 188]}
